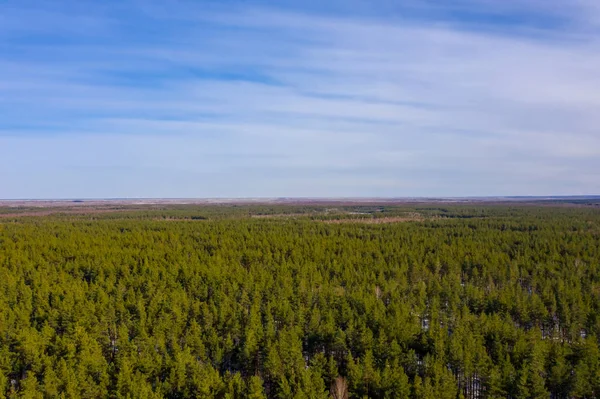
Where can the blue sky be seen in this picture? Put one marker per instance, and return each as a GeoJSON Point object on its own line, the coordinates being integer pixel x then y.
{"type": "Point", "coordinates": [144, 98]}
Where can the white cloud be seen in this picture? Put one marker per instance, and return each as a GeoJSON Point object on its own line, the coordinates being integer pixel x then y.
{"type": "Point", "coordinates": [271, 100]}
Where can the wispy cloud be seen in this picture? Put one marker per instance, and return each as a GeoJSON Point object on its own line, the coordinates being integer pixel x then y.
{"type": "Point", "coordinates": [182, 100]}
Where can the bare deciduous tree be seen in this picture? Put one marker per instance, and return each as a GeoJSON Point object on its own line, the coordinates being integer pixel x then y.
{"type": "Point", "coordinates": [339, 388]}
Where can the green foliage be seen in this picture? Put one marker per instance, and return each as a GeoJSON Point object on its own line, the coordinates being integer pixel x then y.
{"type": "Point", "coordinates": [282, 302]}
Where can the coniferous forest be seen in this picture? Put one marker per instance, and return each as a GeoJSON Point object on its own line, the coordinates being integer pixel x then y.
{"type": "Point", "coordinates": [301, 301]}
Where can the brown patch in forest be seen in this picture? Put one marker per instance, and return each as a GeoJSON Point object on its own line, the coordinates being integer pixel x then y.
{"type": "Point", "coordinates": [282, 215]}
{"type": "Point", "coordinates": [383, 220]}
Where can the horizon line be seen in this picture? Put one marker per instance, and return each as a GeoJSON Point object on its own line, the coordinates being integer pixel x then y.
{"type": "Point", "coordinates": [285, 198]}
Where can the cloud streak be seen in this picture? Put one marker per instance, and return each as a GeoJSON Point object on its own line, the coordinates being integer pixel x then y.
{"type": "Point", "coordinates": [300, 101]}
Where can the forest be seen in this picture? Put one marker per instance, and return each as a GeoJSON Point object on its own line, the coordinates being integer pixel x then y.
{"type": "Point", "coordinates": [419, 301]}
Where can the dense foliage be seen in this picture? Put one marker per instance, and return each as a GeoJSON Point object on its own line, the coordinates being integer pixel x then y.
{"type": "Point", "coordinates": [183, 302]}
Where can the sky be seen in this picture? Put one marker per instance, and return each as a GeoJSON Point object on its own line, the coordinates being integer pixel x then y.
{"type": "Point", "coordinates": [306, 98]}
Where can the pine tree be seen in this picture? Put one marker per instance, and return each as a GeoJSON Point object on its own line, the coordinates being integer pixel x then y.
{"type": "Point", "coordinates": [255, 388]}
{"type": "Point", "coordinates": [494, 386]}
{"type": "Point", "coordinates": [394, 382]}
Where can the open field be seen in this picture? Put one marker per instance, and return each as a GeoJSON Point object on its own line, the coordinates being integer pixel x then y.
{"type": "Point", "coordinates": [11, 208]}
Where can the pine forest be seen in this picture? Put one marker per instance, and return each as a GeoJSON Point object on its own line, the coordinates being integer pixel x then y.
{"type": "Point", "coordinates": [305, 301]}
